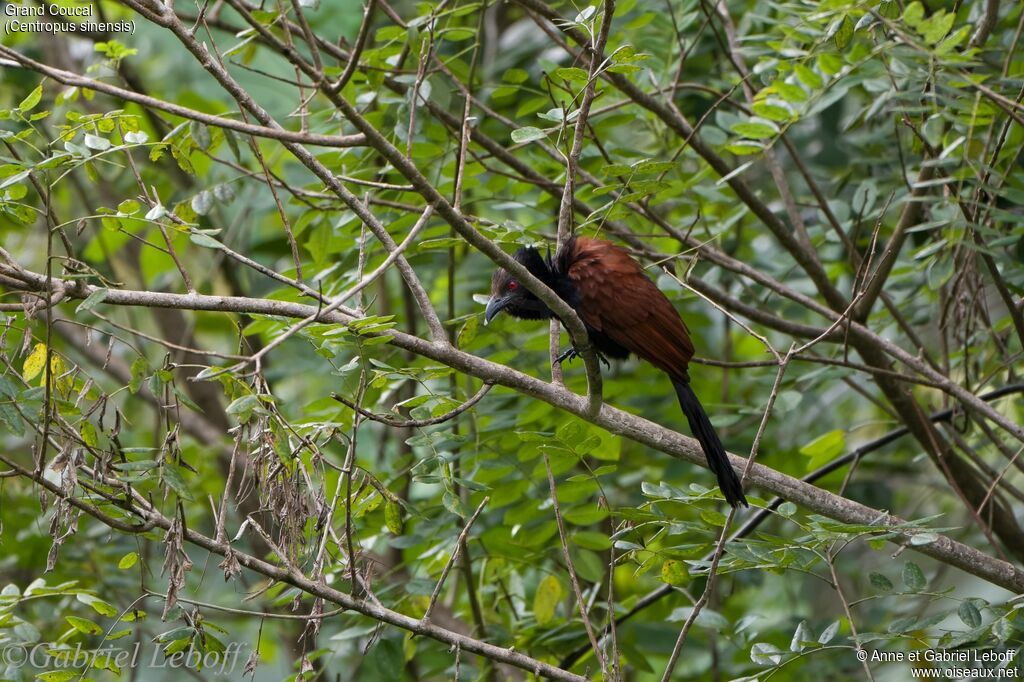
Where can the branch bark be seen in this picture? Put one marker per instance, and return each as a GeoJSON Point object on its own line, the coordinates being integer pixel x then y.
{"type": "Point", "coordinates": [614, 420]}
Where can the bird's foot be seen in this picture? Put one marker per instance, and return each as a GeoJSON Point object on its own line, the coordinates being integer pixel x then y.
{"type": "Point", "coordinates": [572, 354]}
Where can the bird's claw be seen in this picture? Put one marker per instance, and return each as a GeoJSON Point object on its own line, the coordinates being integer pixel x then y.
{"type": "Point", "coordinates": [572, 354]}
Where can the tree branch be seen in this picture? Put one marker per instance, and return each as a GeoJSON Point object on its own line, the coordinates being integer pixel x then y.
{"type": "Point", "coordinates": [609, 418]}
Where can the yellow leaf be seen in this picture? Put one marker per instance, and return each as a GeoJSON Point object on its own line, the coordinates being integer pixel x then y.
{"type": "Point", "coordinates": [34, 362]}
{"type": "Point", "coordinates": [88, 433]}
{"type": "Point", "coordinates": [418, 604]}
{"type": "Point", "coordinates": [549, 592]}
{"type": "Point", "coordinates": [57, 371]}
{"type": "Point", "coordinates": [674, 572]}
{"type": "Point", "coordinates": [393, 517]}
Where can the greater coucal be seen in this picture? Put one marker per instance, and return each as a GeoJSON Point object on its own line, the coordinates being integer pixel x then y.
{"type": "Point", "coordinates": [623, 312]}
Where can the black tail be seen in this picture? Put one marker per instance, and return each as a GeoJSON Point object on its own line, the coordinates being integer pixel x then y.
{"type": "Point", "coordinates": [704, 432]}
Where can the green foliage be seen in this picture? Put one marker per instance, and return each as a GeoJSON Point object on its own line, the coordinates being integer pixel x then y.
{"type": "Point", "coordinates": [869, 109]}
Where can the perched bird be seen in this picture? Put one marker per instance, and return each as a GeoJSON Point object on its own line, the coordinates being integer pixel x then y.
{"type": "Point", "coordinates": [624, 312]}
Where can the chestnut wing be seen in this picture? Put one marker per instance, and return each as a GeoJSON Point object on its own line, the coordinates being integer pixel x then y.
{"type": "Point", "coordinates": [619, 300]}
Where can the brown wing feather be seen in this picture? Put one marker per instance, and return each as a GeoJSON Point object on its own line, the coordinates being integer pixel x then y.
{"type": "Point", "coordinates": [618, 299]}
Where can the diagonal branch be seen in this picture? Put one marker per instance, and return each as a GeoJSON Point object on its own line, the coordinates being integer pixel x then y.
{"type": "Point", "coordinates": [609, 418]}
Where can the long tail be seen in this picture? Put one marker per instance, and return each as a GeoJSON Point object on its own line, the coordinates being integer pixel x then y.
{"type": "Point", "coordinates": [704, 432]}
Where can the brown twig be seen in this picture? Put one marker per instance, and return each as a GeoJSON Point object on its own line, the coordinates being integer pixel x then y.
{"type": "Point", "coordinates": [416, 423]}
{"type": "Point", "coordinates": [584, 615]}
{"type": "Point", "coordinates": [459, 543]}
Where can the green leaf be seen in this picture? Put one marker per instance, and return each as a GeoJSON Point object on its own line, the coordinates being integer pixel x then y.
{"type": "Point", "coordinates": [30, 102]}
{"type": "Point", "coordinates": [92, 300]}
{"type": "Point", "coordinates": [706, 618]}
{"type": "Point", "coordinates": [807, 77]}
{"type": "Point", "coordinates": [889, 9]}
{"type": "Point", "coordinates": [713, 517]}
{"type": "Point", "coordinates": [586, 515]}
{"type": "Point", "coordinates": [554, 115]}
{"type": "Point", "coordinates": [953, 41]}
{"type": "Point", "coordinates": [826, 446]}
{"type": "Point", "coordinates": [790, 92]}
{"type": "Point", "coordinates": [468, 331]}
{"type": "Point", "coordinates": [232, 144]}
{"type": "Point", "coordinates": [98, 143]}
{"type": "Point", "coordinates": [177, 645]}
{"type": "Point", "coordinates": [772, 112]}
{"type": "Point", "coordinates": [128, 560]}
{"type": "Point", "coordinates": [754, 129]}
{"type": "Point", "coordinates": [936, 28]}
{"type": "Point", "coordinates": [763, 653]}
{"type": "Point", "coordinates": [84, 625]}
{"type": "Point", "coordinates": [88, 433]}
{"type": "Point", "coordinates": [527, 134]}
{"type": "Point", "coordinates": [589, 539]}
{"type": "Point", "coordinates": [569, 432]}
{"type": "Point", "coordinates": [204, 240]}
{"type": "Point", "coordinates": [171, 475]}
{"type": "Point", "coordinates": [571, 73]}
{"type": "Point", "coordinates": [456, 35]}
{"type": "Point", "coordinates": [675, 572]}
{"type": "Point", "coordinates": [14, 179]}
{"type": "Point", "coordinates": [129, 207]}
{"type": "Point", "coordinates": [515, 76]}
{"type": "Point", "coordinates": [829, 64]}
{"type": "Point", "coordinates": [800, 635]}
{"type": "Point", "coordinates": [829, 633]}
{"type": "Point", "coordinates": [913, 14]}
{"type": "Point", "coordinates": [200, 134]}
{"type": "Point", "coordinates": [243, 407]}
{"type": "Point", "coordinates": [913, 578]}
{"type": "Point", "coordinates": [1002, 629]}
{"type": "Point", "coordinates": [786, 509]}
{"type": "Point", "coordinates": [589, 565]}
{"type": "Point", "coordinates": [504, 91]}
{"type": "Point", "coordinates": [880, 582]}
{"type": "Point", "coordinates": [969, 614]}
{"type": "Point", "coordinates": [156, 213]}
{"type": "Point", "coordinates": [98, 605]}
{"type": "Point", "coordinates": [393, 517]}
{"type": "Point", "coordinates": [453, 504]}
{"type": "Point", "coordinates": [844, 33]}
{"type": "Point", "coordinates": [548, 594]}
{"type": "Point", "coordinates": [140, 368]}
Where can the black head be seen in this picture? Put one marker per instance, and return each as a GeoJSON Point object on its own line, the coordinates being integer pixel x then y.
{"type": "Point", "coordinates": [510, 295]}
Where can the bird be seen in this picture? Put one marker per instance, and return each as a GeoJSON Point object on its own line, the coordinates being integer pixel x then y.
{"type": "Point", "coordinates": [624, 313]}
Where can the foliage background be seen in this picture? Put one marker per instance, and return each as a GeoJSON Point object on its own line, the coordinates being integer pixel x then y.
{"type": "Point", "coordinates": [877, 147]}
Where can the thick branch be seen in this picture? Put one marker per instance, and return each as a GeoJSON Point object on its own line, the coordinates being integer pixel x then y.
{"type": "Point", "coordinates": [609, 418]}
{"type": "Point", "coordinates": [154, 519]}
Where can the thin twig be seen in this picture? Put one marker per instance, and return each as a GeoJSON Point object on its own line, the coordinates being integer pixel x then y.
{"type": "Point", "coordinates": [584, 615]}
{"type": "Point", "coordinates": [416, 423]}
{"type": "Point", "coordinates": [451, 560]}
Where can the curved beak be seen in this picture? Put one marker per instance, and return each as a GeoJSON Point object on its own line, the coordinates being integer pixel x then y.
{"type": "Point", "coordinates": [495, 306]}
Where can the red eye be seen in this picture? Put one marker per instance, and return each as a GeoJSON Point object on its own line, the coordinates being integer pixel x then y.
{"type": "Point", "coordinates": [513, 285]}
